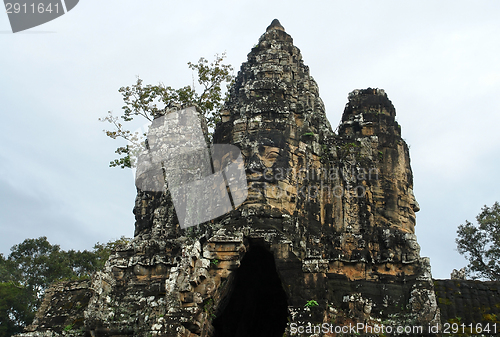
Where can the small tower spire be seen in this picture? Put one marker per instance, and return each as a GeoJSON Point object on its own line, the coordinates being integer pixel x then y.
{"type": "Point", "coordinates": [275, 25]}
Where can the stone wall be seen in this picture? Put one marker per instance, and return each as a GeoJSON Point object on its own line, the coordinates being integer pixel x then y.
{"type": "Point", "coordinates": [62, 310]}
{"type": "Point", "coordinates": [469, 302]}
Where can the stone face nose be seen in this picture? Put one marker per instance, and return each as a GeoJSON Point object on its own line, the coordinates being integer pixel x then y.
{"type": "Point", "coordinates": [254, 165]}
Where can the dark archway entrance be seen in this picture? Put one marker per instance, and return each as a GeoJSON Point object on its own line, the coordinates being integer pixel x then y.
{"type": "Point", "coordinates": [257, 305]}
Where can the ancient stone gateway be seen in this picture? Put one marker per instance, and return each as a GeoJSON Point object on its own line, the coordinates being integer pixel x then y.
{"type": "Point", "coordinates": [326, 238]}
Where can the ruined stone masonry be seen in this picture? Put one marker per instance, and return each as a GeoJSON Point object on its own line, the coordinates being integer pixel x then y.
{"type": "Point", "coordinates": [326, 234]}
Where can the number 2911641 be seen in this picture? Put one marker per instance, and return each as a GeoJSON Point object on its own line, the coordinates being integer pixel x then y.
{"type": "Point", "coordinates": [17, 7]}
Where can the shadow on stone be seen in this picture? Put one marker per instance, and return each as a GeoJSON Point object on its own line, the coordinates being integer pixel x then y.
{"type": "Point", "coordinates": [257, 303]}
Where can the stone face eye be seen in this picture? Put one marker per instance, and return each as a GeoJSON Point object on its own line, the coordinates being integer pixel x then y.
{"type": "Point", "coordinates": [245, 153]}
{"type": "Point", "coordinates": [272, 155]}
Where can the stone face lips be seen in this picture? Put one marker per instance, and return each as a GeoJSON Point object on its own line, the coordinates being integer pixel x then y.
{"type": "Point", "coordinates": [326, 235]}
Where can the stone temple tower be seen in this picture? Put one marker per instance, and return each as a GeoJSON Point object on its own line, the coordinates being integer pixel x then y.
{"type": "Point", "coordinates": [325, 236]}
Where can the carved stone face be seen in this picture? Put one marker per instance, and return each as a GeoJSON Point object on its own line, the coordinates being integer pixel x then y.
{"type": "Point", "coordinates": [269, 172]}
{"type": "Point", "coordinates": [260, 161]}
{"type": "Point", "coordinates": [414, 208]}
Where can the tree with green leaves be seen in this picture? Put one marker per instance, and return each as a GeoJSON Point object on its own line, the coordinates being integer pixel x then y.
{"type": "Point", "coordinates": [35, 264]}
{"type": "Point", "coordinates": [143, 101]}
{"type": "Point", "coordinates": [480, 244]}
{"type": "Point", "coordinates": [16, 310]}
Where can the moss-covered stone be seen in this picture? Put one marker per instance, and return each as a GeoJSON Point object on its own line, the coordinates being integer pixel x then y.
{"type": "Point", "coordinates": [329, 218]}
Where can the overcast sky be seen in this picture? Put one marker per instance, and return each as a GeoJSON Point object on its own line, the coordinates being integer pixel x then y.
{"type": "Point", "coordinates": [437, 60]}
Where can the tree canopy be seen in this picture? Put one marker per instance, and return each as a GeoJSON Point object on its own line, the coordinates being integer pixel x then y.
{"type": "Point", "coordinates": [145, 101]}
{"type": "Point", "coordinates": [480, 244]}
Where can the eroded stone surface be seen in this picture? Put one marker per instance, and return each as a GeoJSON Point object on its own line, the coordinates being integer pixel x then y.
{"type": "Point", "coordinates": [62, 310]}
{"type": "Point", "coordinates": [336, 212]}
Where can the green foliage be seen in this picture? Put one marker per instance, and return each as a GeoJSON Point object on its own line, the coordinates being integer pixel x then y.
{"type": "Point", "coordinates": [142, 101]}
{"type": "Point", "coordinates": [29, 270]}
{"type": "Point", "coordinates": [209, 308]}
{"type": "Point", "coordinates": [15, 308]}
{"type": "Point", "coordinates": [480, 244]}
{"type": "Point", "coordinates": [215, 262]}
{"type": "Point", "coordinates": [444, 301]}
{"type": "Point", "coordinates": [35, 264]}
{"type": "Point", "coordinates": [311, 303]}
{"type": "Point", "coordinates": [348, 148]}
{"type": "Point", "coordinates": [490, 318]}
{"type": "Point", "coordinates": [68, 327]}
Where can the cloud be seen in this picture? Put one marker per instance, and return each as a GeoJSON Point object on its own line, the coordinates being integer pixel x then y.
{"type": "Point", "coordinates": [436, 60]}
{"type": "Point", "coordinates": [31, 215]}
